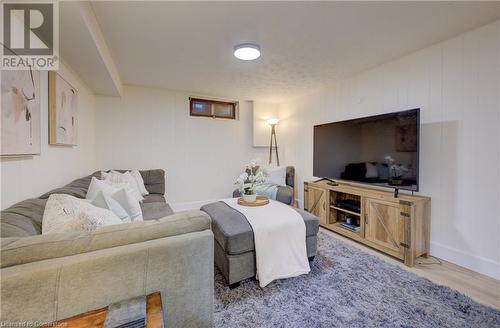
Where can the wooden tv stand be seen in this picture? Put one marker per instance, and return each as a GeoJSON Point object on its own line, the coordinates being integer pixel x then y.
{"type": "Point", "coordinates": [397, 226]}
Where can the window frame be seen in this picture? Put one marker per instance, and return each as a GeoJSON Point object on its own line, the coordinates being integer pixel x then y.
{"type": "Point", "coordinates": [233, 105]}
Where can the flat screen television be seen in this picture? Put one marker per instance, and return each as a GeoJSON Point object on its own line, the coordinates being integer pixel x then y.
{"type": "Point", "coordinates": [382, 150]}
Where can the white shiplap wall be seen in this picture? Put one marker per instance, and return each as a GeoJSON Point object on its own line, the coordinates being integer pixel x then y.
{"type": "Point", "coordinates": [151, 128]}
{"type": "Point", "coordinates": [31, 176]}
{"type": "Point", "coordinates": [456, 85]}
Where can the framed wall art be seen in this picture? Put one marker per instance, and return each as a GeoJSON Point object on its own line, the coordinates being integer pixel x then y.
{"type": "Point", "coordinates": [63, 111]}
{"type": "Point", "coordinates": [20, 113]}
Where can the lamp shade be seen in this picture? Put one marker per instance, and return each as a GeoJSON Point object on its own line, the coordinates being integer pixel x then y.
{"type": "Point", "coordinates": [273, 121]}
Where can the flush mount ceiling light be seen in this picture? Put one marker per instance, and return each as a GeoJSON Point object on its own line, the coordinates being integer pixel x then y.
{"type": "Point", "coordinates": [247, 51]}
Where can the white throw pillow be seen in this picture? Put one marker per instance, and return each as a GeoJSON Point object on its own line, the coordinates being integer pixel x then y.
{"type": "Point", "coordinates": [65, 213]}
{"type": "Point", "coordinates": [123, 196]}
{"type": "Point", "coordinates": [129, 203]}
{"type": "Point", "coordinates": [140, 182]}
{"type": "Point", "coordinates": [276, 175]}
{"type": "Point", "coordinates": [107, 202]}
{"type": "Point", "coordinates": [97, 185]}
{"type": "Point", "coordinates": [123, 180]}
{"type": "Point", "coordinates": [371, 170]}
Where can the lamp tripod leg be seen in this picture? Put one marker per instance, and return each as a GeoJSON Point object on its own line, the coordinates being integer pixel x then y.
{"type": "Point", "coordinates": [276, 147]}
{"type": "Point", "coordinates": [271, 149]}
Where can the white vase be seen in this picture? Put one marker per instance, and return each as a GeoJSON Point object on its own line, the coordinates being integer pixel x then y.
{"type": "Point", "coordinates": [249, 198]}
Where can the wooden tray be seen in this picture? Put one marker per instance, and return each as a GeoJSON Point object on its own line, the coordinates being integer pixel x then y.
{"type": "Point", "coordinates": [260, 201]}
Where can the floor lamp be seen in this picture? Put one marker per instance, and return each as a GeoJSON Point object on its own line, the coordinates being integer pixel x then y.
{"type": "Point", "coordinates": [273, 122]}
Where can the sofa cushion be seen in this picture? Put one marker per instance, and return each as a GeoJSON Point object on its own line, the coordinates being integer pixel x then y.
{"type": "Point", "coordinates": [233, 232]}
{"type": "Point", "coordinates": [155, 210]}
{"type": "Point", "coordinates": [15, 251]}
{"type": "Point", "coordinates": [154, 181]}
{"type": "Point", "coordinates": [23, 219]}
{"type": "Point", "coordinates": [154, 198]}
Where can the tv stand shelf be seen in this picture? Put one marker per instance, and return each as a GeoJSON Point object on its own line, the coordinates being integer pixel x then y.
{"type": "Point", "coordinates": [398, 226]}
{"type": "Point", "coordinates": [344, 210]}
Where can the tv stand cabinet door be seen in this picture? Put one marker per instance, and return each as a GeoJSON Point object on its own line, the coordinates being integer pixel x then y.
{"type": "Point", "coordinates": [316, 202]}
{"type": "Point", "coordinates": [383, 226]}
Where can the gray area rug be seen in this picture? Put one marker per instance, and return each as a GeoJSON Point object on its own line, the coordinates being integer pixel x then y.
{"type": "Point", "coordinates": [348, 288]}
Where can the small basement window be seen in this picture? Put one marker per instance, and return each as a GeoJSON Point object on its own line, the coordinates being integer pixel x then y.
{"type": "Point", "coordinates": [212, 108]}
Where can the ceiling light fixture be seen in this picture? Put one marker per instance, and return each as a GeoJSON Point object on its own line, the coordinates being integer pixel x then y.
{"type": "Point", "coordinates": [247, 51]}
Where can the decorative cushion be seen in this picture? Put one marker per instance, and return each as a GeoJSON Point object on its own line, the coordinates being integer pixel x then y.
{"type": "Point", "coordinates": [97, 186]}
{"type": "Point", "coordinates": [383, 171]}
{"type": "Point", "coordinates": [129, 204]}
{"type": "Point", "coordinates": [355, 171]}
{"type": "Point", "coordinates": [371, 170]}
{"type": "Point", "coordinates": [65, 213]}
{"type": "Point", "coordinates": [106, 202]}
{"type": "Point", "coordinates": [25, 218]}
{"type": "Point", "coordinates": [123, 180]}
{"type": "Point", "coordinates": [123, 196]}
{"type": "Point", "coordinates": [276, 175]}
{"type": "Point", "coordinates": [140, 182]}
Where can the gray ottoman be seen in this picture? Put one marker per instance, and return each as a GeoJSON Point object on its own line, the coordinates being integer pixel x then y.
{"type": "Point", "coordinates": [234, 251]}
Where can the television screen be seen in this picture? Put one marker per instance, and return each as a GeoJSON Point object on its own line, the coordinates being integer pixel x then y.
{"type": "Point", "coordinates": [381, 150]}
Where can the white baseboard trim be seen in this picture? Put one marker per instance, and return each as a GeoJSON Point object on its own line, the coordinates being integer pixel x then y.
{"type": "Point", "coordinates": [472, 262]}
{"type": "Point", "coordinates": [179, 207]}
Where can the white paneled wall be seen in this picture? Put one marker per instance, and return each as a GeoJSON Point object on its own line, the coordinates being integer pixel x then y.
{"type": "Point", "coordinates": [263, 111]}
{"type": "Point", "coordinates": [151, 128]}
{"type": "Point", "coordinates": [29, 177]}
{"type": "Point", "coordinates": [456, 85]}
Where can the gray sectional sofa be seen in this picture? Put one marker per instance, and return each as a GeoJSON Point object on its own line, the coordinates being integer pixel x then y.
{"type": "Point", "coordinates": [50, 277]}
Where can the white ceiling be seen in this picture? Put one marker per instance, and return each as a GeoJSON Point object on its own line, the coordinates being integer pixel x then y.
{"type": "Point", "coordinates": [188, 46]}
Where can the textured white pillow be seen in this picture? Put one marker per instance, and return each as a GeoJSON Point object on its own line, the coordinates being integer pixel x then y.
{"type": "Point", "coordinates": [97, 185]}
{"type": "Point", "coordinates": [371, 170]}
{"type": "Point", "coordinates": [123, 180]}
{"type": "Point", "coordinates": [140, 182]}
{"type": "Point", "coordinates": [64, 213]}
{"type": "Point", "coordinates": [129, 203]}
{"type": "Point", "coordinates": [123, 196]}
{"type": "Point", "coordinates": [276, 175]}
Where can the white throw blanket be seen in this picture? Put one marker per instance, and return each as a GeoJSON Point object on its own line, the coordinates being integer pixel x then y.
{"type": "Point", "coordinates": [280, 240]}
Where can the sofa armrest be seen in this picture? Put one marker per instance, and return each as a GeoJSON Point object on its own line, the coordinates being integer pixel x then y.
{"type": "Point", "coordinates": [15, 251]}
{"type": "Point", "coordinates": [179, 267]}
{"type": "Point", "coordinates": [285, 194]}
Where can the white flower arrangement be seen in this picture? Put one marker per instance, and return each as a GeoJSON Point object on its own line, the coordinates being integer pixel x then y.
{"type": "Point", "coordinates": [247, 181]}
{"type": "Point", "coordinates": [396, 170]}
